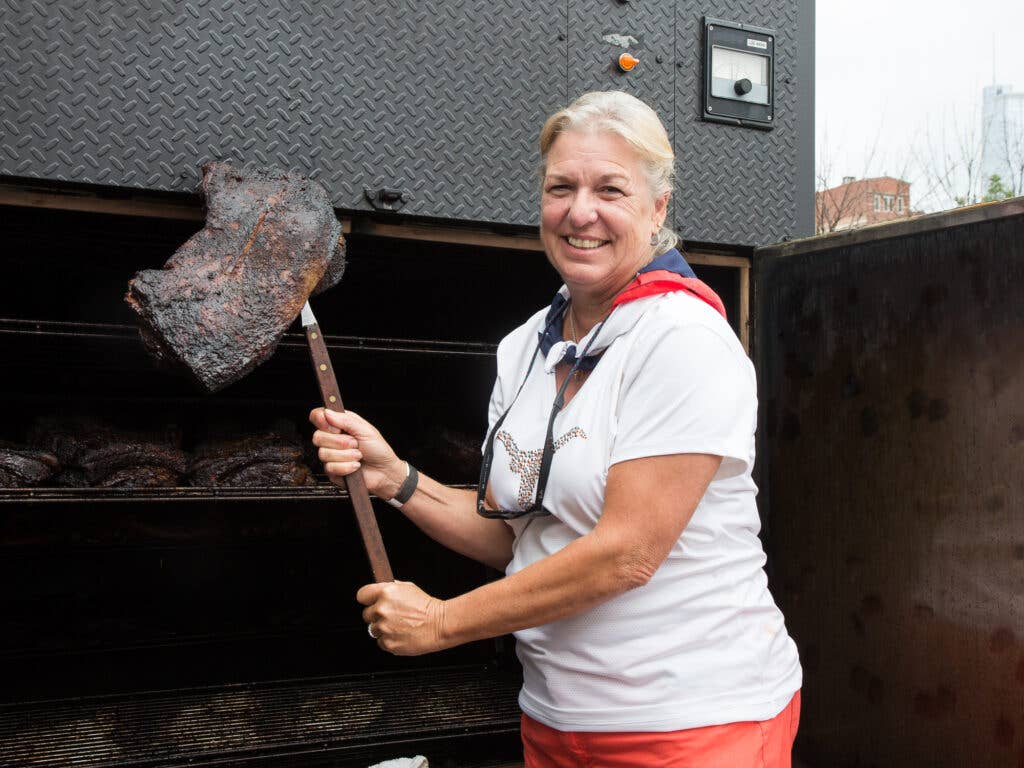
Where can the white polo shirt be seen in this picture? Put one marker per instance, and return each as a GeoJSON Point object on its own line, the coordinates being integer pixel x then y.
{"type": "Point", "coordinates": [702, 643]}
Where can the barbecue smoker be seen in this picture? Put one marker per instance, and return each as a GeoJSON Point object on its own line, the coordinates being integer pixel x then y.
{"type": "Point", "coordinates": [210, 625]}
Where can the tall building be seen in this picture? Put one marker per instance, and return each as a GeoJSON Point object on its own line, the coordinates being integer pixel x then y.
{"type": "Point", "coordinates": [859, 202]}
{"type": "Point", "coordinates": [1002, 137]}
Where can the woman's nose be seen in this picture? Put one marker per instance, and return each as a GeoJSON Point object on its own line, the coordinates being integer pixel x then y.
{"type": "Point", "coordinates": [583, 210]}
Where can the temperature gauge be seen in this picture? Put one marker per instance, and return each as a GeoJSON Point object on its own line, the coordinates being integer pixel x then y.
{"type": "Point", "coordinates": [739, 66]}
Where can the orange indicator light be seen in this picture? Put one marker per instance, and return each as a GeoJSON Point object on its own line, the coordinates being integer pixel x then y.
{"type": "Point", "coordinates": [627, 62]}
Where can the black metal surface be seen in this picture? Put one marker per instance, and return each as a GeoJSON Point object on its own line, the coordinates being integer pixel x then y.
{"type": "Point", "coordinates": [737, 185]}
{"type": "Point", "coordinates": [284, 720]}
{"type": "Point", "coordinates": [600, 31]}
{"type": "Point", "coordinates": [445, 100]}
{"type": "Point", "coordinates": [891, 365]}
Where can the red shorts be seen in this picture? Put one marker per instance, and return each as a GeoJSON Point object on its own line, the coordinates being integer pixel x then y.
{"type": "Point", "coordinates": [766, 744]}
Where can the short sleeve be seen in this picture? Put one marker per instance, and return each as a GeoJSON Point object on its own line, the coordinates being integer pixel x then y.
{"type": "Point", "coordinates": [688, 391]}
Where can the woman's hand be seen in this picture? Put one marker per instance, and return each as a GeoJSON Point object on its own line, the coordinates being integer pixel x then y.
{"type": "Point", "coordinates": [346, 442]}
{"type": "Point", "coordinates": [405, 620]}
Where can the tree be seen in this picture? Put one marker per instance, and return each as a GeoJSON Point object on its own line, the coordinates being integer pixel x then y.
{"type": "Point", "coordinates": [951, 160]}
{"type": "Point", "coordinates": [846, 205]}
{"type": "Point", "coordinates": [1012, 151]}
{"type": "Point", "coordinates": [996, 190]}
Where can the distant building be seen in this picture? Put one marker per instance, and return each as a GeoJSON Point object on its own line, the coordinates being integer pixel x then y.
{"type": "Point", "coordinates": [859, 202]}
{"type": "Point", "coordinates": [1002, 137]}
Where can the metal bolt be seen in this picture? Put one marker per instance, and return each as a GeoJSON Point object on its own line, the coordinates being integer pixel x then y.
{"type": "Point", "coordinates": [711, 27]}
{"type": "Point", "coordinates": [658, 59]}
{"type": "Point", "coordinates": [770, 39]}
{"type": "Point", "coordinates": [769, 117]}
{"type": "Point", "coordinates": [709, 109]}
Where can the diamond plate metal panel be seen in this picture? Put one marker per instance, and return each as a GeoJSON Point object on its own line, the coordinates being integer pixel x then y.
{"type": "Point", "coordinates": [738, 185]}
{"type": "Point", "coordinates": [442, 99]}
{"type": "Point", "coordinates": [600, 30]}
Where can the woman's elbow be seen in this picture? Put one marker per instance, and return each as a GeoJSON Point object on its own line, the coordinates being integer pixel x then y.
{"type": "Point", "coordinates": [635, 567]}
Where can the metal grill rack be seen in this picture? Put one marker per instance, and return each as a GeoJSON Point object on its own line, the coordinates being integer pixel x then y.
{"type": "Point", "coordinates": [323, 491]}
{"type": "Point", "coordinates": [78, 331]}
{"type": "Point", "coordinates": [336, 719]}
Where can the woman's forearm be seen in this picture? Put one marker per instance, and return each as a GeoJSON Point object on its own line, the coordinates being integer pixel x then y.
{"type": "Point", "coordinates": [546, 591]}
{"type": "Point", "coordinates": [623, 551]}
{"type": "Point", "coordinates": [448, 516]}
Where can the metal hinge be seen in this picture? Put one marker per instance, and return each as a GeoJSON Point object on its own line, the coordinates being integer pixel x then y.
{"type": "Point", "coordinates": [386, 198]}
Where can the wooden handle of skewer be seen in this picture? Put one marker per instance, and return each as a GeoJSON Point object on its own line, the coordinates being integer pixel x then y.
{"type": "Point", "coordinates": [367, 521]}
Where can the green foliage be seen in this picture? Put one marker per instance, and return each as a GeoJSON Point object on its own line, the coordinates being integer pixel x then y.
{"type": "Point", "coordinates": [996, 190]}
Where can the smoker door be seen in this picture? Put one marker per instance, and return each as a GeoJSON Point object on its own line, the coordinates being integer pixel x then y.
{"type": "Point", "coordinates": [441, 101]}
{"type": "Point", "coordinates": [891, 365]}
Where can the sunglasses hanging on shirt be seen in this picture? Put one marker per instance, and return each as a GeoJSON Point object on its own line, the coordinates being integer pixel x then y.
{"type": "Point", "coordinates": [537, 508]}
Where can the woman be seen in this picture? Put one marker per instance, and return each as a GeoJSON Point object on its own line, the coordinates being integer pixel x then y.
{"type": "Point", "coordinates": [616, 491]}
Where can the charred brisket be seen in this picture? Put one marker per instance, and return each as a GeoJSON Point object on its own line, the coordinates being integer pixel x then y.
{"type": "Point", "coordinates": [102, 461]}
{"type": "Point", "coordinates": [92, 453]}
{"type": "Point", "coordinates": [223, 301]}
{"type": "Point", "coordinates": [269, 474]}
{"type": "Point", "coordinates": [140, 477]}
{"type": "Point", "coordinates": [23, 467]}
{"type": "Point", "coordinates": [267, 460]}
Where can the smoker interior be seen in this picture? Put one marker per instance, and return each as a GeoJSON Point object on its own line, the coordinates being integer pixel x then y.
{"type": "Point", "coordinates": [147, 627]}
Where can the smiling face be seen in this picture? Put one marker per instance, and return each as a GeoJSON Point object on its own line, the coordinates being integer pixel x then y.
{"type": "Point", "coordinates": [597, 213]}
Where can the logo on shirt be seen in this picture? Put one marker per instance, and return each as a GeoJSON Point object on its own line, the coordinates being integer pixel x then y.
{"type": "Point", "coordinates": [526, 464]}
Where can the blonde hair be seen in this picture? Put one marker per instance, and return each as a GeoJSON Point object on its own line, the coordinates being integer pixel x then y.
{"type": "Point", "coordinates": [625, 116]}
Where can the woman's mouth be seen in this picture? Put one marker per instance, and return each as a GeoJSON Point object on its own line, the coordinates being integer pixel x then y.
{"type": "Point", "coordinates": [583, 243]}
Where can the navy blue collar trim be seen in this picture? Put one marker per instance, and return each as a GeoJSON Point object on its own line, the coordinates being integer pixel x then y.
{"type": "Point", "coordinates": [671, 261]}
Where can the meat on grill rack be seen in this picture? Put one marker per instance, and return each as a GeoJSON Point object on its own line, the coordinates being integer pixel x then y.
{"type": "Point", "coordinates": [142, 476]}
{"type": "Point", "coordinates": [22, 467]}
{"type": "Point", "coordinates": [222, 302]}
{"type": "Point", "coordinates": [267, 460]}
{"type": "Point", "coordinates": [93, 453]}
{"type": "Point", "coordinates": [99, 462]}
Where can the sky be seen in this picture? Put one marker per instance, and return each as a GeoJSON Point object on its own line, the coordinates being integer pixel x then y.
{"type": "Point", "coordinates": [897, 80]}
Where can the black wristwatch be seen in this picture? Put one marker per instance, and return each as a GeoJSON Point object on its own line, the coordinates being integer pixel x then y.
{"type": "Point", "coordinates": [407, 489]}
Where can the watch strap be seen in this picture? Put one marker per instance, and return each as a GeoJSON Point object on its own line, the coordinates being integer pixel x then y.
{"type": "Point", "coordinates": [408, 487]}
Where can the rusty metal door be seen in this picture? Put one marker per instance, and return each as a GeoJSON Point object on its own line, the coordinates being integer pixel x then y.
{"type": "Point", "coordinates": [891, 365]}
